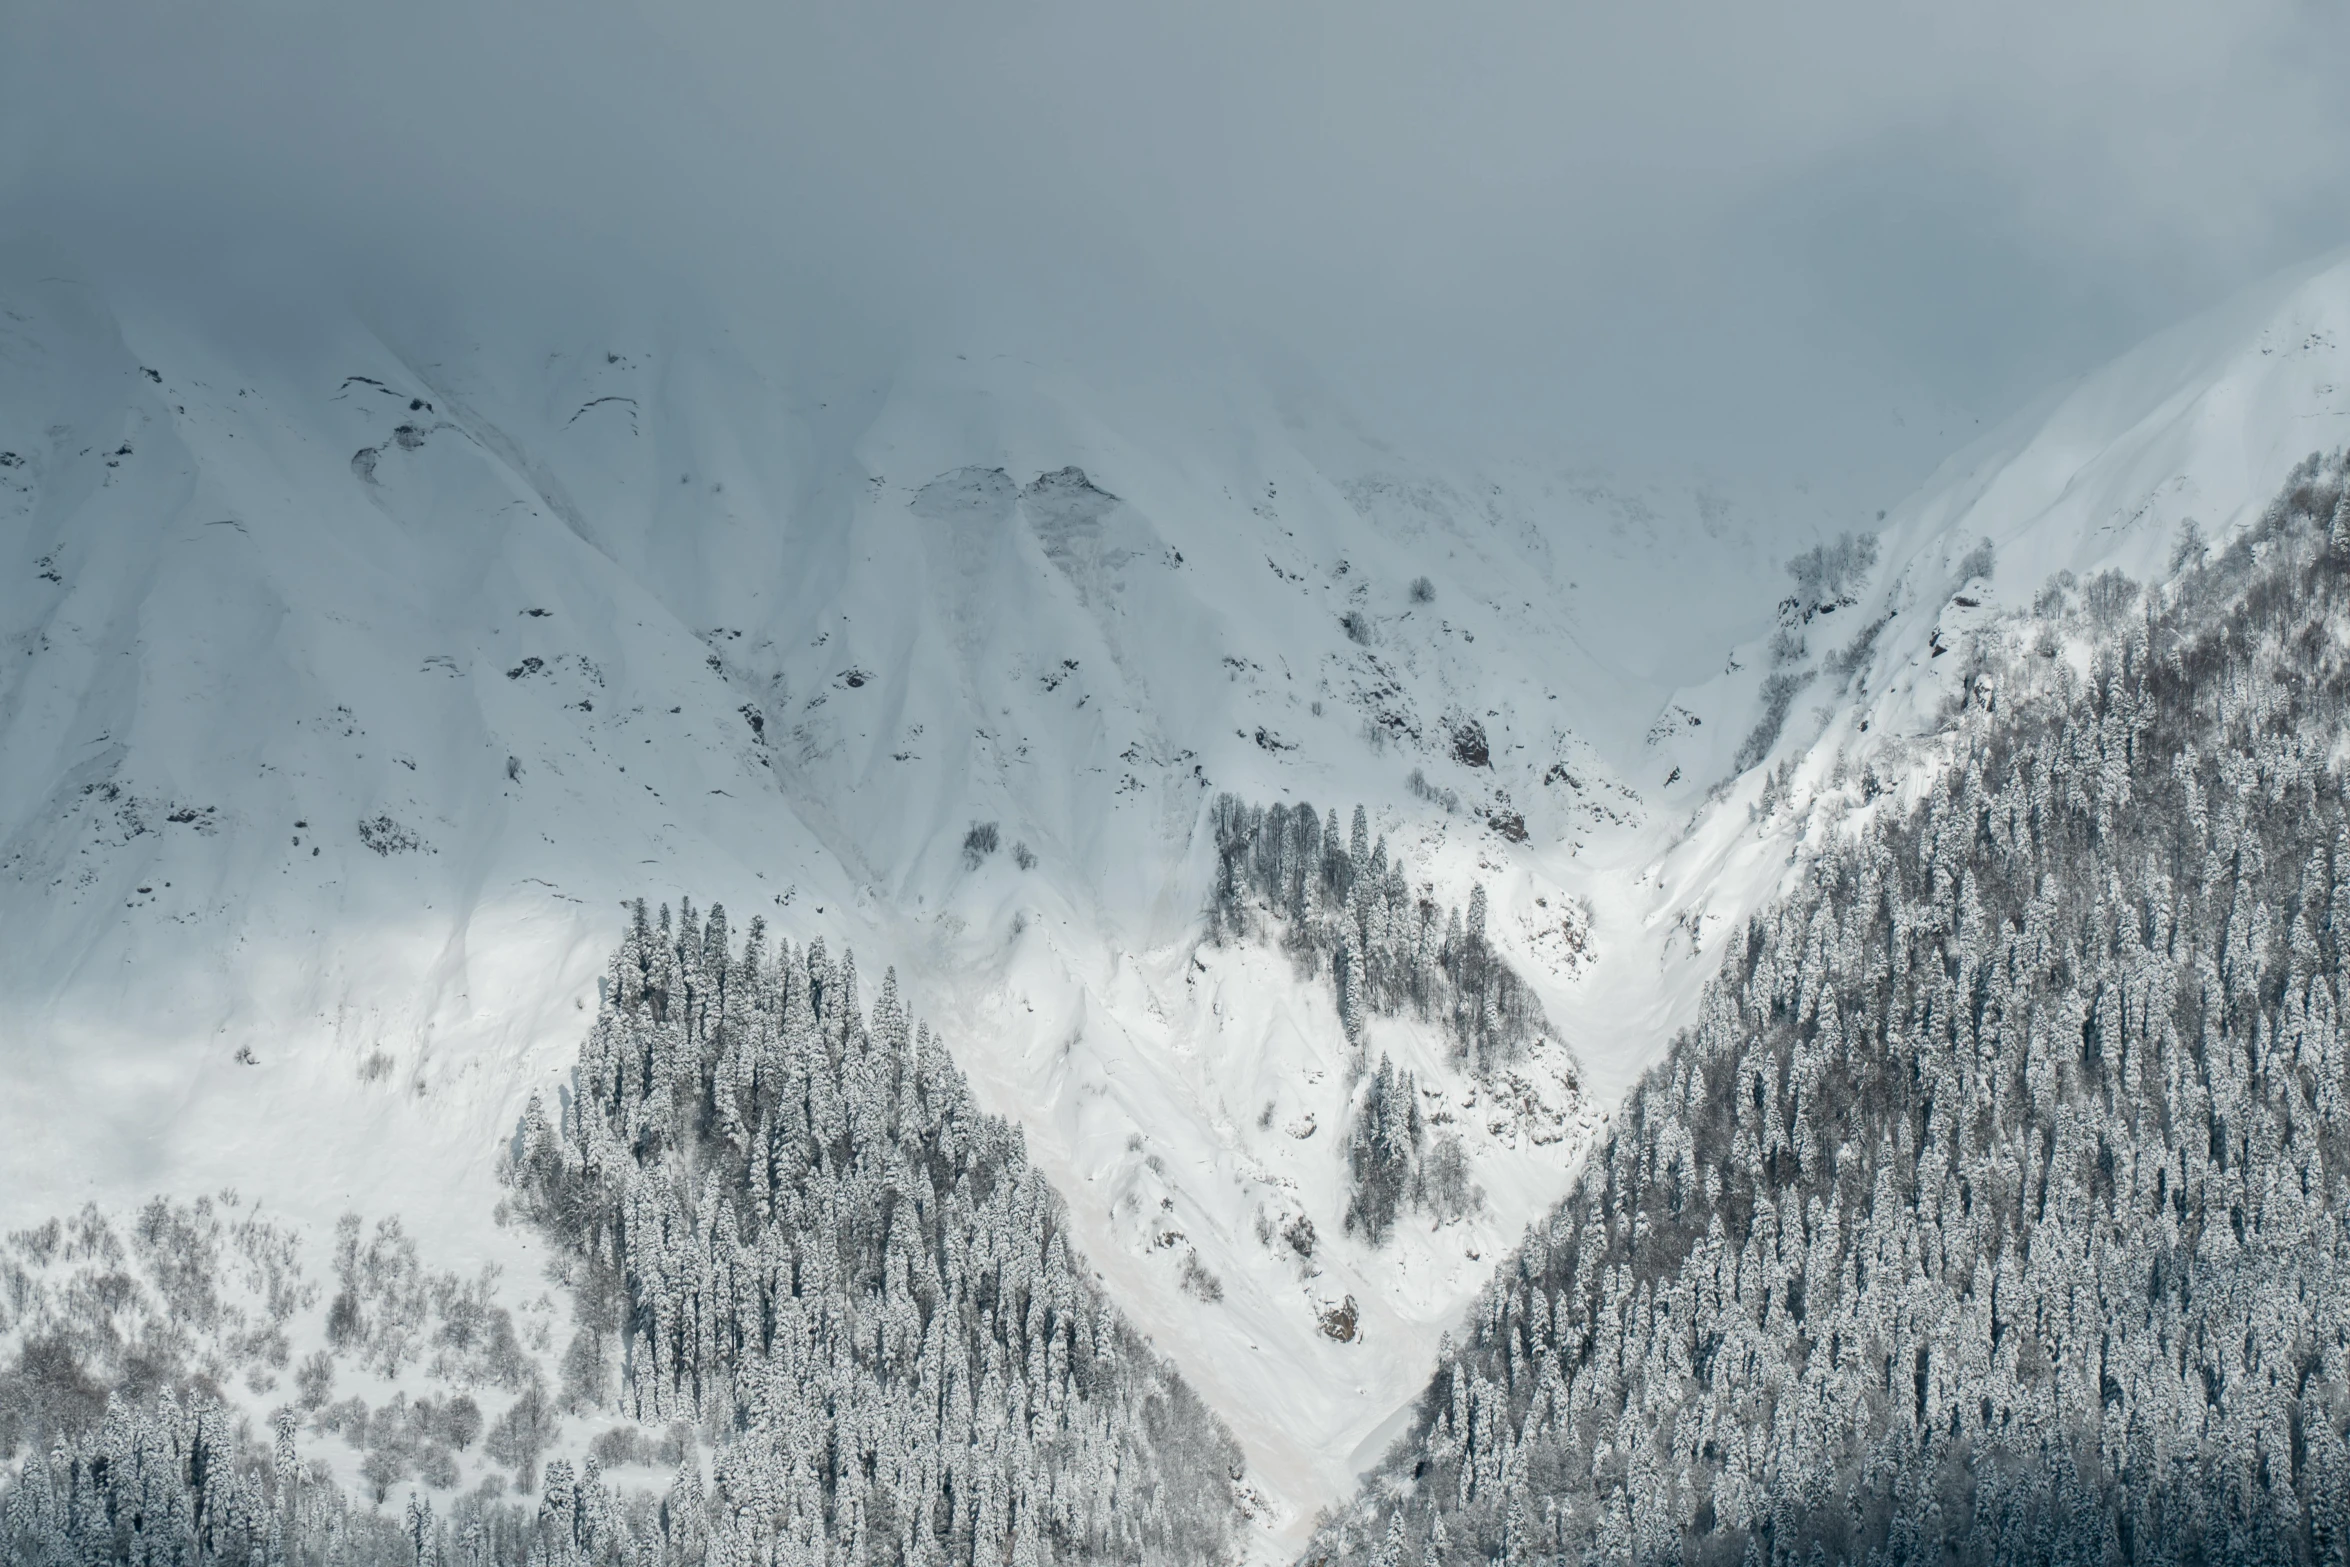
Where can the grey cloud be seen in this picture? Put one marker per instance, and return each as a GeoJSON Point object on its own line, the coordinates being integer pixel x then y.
{"type": "Point", "coordinates": [1825, 236]}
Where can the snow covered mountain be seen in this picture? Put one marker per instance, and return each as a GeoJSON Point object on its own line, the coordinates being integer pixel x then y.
{"type": "Point", "coordinates": [2159, 458]}
{"type": "Point", "coordinates": [357, 664]}
{"type": "Point", "coordinates": [360, 670]}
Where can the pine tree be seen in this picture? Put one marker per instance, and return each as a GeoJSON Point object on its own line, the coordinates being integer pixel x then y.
{"type": "Point", "coordinates": [1342, 904]}
{"type": "Point", "coordinates": [873, 1288]}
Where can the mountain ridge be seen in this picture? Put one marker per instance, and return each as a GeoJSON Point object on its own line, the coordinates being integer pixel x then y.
{"type": "Point", "coordinates": [355, 674]}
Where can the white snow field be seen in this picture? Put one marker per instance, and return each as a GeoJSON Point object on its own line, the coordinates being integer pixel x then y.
{"type": "Point", "coordinates": [356, 666]}
{"type": "Point", "coordinates": [2184, 439]}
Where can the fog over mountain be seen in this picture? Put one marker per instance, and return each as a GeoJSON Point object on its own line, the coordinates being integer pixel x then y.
{"type": "Point", "coordinates": [1046, 785]}
{"type": "Point", "coordinates": [1821, 242]}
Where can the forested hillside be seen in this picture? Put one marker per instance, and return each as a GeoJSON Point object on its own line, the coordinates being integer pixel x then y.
{"type": "Point", "coordinates": [792, 1242]}
{"type": "Point", "coordinates": [788, 1223]}
{"type": "Point", "coordinates": [1995, 1210]}
{"type": "Point", "coordinates": [185, 1481]}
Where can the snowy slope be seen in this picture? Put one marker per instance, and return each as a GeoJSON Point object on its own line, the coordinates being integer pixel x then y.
{"type": "Point", "coordinates": [356, 669]}
{"type": "Point", "coordinates": [2186, 437]}
{"type": "Point", "coordinates": [2196, 428]}
{"type": "Point", "coordinates": [356, 663]}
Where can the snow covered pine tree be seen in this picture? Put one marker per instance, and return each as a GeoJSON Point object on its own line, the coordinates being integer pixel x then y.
{"type": "Point", "coordinates": [1339, 898]}
{"type": "Point", "coordinates": [787, 1222]}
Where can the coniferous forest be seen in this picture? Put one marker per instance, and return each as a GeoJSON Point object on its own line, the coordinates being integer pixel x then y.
{"type": "Point", "coordinates": [1341, 901]}
{"type": "Point", "coordinates": [789, 1236]}
{"type": "Point", "coordinates": [1995, 1211]}
{"type": "Point", "coordinates": [787, 1223]}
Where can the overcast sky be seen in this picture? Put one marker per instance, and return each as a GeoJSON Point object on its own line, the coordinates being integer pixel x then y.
{"type": "Point", "coordinates": [1817, 236]}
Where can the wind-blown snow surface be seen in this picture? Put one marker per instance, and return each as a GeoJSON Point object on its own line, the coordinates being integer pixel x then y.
{"type": "Point", "coordinates": [353, 672]}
